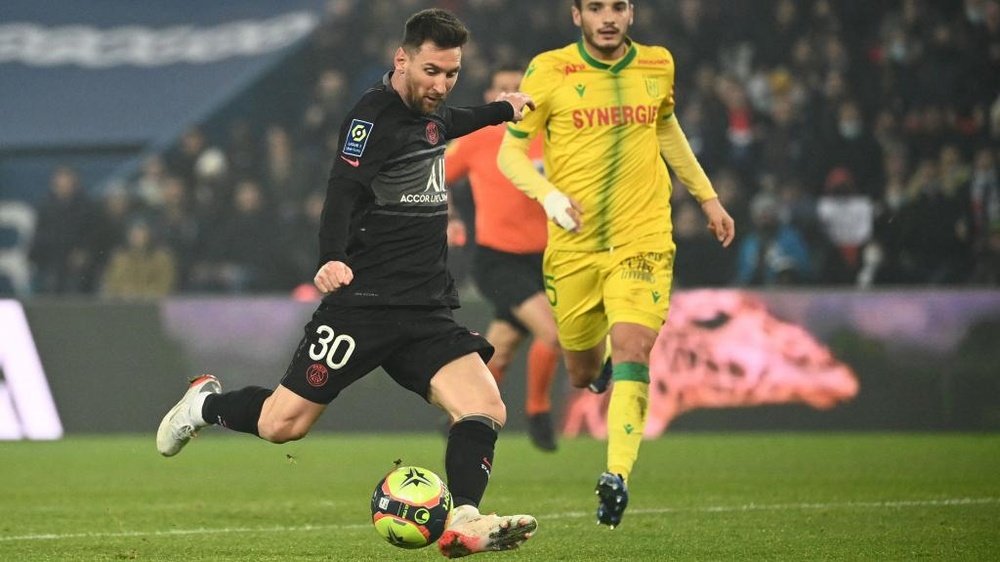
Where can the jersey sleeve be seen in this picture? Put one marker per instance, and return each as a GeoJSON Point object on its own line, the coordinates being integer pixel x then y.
{"type": "Point", "coordinates": [538, 82]}
{"type": "Point", "coordinates": [675, 147]}
{"type": "Point", "coordinates": [513, 162]}
{"type": "Point", "coordinates": [363, 148]}
{"type": "Point", "coordinates": [341, 197]}
{"type": "Point", "coordinates": [668, 103]}
{"type": "Point", "coordinates": [461, 121]}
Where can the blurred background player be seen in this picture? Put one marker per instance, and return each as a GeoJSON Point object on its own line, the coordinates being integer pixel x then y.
{"type": "Point", "coordinates": [606, 106]}
{"type": "Point", "coordinates": [510, 232]}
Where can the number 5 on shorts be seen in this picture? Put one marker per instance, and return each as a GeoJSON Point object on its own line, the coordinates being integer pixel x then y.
{"type": "Point", "coordinates": [550, 290]}
{"type": "Point", "coordinates": [329, 344]}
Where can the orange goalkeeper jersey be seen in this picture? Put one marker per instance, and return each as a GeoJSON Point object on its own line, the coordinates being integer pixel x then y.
{"type": "Point", "coordinates": [506, 219]}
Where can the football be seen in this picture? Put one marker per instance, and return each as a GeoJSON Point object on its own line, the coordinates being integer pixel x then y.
{"type": "Point", "coordinates": [410, 507]}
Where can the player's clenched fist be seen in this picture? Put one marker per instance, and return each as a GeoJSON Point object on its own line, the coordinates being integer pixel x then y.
{"type": "Point", "coordinates": [332, 276]}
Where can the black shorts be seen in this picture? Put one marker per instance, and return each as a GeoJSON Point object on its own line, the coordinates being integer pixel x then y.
{"type": "Point", "coordinates": [507, 280]}
{"type": "Point", "coordinates": [343, 344]}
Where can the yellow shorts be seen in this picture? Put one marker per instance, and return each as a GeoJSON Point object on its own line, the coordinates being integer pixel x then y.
{"type": "Point", "coordinates": [591, 291]}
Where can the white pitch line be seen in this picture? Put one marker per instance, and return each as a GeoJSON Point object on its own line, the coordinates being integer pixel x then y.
{"type": "Point", "coordinates": [900, 504]}
{"type": "Point", "coordinates": [897, 504]}
{"type": "Point", "coordinates": [178, 532]}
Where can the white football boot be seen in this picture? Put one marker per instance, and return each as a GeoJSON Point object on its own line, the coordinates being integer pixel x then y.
{"type": "Point", "coordinates": [470, 532]}
{"type": "Point", "coordinates": [184, 420]}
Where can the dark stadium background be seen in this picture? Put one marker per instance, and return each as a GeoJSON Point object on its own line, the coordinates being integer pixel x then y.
{"type": "Point", "coordinates": [157, 115]}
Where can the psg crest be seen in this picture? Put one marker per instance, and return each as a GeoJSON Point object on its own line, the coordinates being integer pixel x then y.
{"type": "Point", "coordinates": [433, 136]}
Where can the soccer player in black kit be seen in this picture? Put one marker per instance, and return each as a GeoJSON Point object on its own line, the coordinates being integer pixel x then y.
{"type": "Point", "coordinates": [389, 296]}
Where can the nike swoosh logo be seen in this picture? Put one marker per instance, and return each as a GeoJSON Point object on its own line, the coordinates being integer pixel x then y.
{"type": "Point", "coordinates": [352, 161]}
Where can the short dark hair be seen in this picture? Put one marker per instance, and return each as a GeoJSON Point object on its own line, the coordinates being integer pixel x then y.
{"type": "Point", "coordinates": [579, 3]}
{"type": "Point", "coordinates": [440, 27]}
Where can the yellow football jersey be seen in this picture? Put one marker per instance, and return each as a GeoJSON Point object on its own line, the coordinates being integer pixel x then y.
{"type": "Point", "coordinates": [601, 148]}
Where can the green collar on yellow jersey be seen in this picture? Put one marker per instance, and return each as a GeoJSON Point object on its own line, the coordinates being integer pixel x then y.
{"type": "Point", "coordinates": [613, 69]}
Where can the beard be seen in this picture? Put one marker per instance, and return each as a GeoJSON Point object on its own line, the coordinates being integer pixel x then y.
{"type": "Point", "coordinates": [418, 102]}
{"type": "Point", "coordinates": [608, 50]}
{"type": "Point", "coordinates": [428, 106]}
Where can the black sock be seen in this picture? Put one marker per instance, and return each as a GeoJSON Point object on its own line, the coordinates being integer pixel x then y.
{"type": "Point", "coordinates": [469, 461]}
{"type": "Point", "coordinates": [238, 410]}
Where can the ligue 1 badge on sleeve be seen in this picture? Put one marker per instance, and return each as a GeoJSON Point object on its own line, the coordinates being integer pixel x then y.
{"type": "Point", "coordinates": [357, 137]}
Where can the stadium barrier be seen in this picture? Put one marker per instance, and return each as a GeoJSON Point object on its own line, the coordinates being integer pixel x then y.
{"type": "Point", "coordinates": [728, 360]}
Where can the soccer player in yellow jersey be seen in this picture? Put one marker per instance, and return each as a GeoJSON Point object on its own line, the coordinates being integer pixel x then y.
{"type": "Point", "coordinates": [605, 106]}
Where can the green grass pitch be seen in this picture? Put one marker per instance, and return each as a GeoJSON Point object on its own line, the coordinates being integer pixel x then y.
{"type": "Point", "coordinates": [741, 496]}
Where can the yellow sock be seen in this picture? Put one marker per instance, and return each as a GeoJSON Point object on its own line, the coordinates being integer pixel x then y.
{"type": "Point", "coordinates": [627, 416]}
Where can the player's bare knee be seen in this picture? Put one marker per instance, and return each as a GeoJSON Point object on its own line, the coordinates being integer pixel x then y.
{"type": "Point", "coordinates": [491, 408]}
{"type": "Point", "coordinates": [497, 410]}
{"type": "Point", "coordinates": [633, 351]}
{"type": "Point", "coordinates": [280, 431]}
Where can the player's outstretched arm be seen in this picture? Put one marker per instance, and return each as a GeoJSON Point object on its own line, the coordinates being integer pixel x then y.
{"type": "Point", "coordinates": [461, 121]}
{"type": "Point", "coordinates": [332, 276]}
{"type": "Point", "coordinates": [722, 225]}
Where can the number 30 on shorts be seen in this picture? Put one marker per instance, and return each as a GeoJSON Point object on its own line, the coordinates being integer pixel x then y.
{"type": "Point", "coordinates": [329, 346]}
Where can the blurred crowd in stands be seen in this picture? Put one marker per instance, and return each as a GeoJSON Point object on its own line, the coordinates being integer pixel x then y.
{"type": "Point", "coordinates": [856, 144]}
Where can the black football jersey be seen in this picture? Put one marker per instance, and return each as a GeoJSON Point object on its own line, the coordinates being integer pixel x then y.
{"type": "Point", "coordinates": [387, 184]}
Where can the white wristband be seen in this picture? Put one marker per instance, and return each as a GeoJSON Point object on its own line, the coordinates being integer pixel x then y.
{"type": "Point", "coordinates": [557, 207]}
